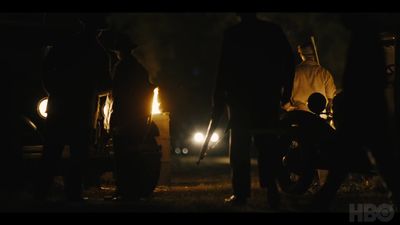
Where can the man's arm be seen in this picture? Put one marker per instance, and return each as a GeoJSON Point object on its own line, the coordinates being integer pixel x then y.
{"type": "Point", "coordinates": [330, 90]}
{"type": "Point", "coordinates": [220, 92]}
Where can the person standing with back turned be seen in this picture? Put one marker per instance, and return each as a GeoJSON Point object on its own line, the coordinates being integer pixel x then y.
{"type": "Point", "coordinates": [256, 64]}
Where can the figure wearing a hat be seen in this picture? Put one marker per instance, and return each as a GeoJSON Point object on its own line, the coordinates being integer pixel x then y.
{"type": "Point", "coordinates": [132, 90]}
{"type": "Point", "coordinates": [310, 77]}
{"type": "Point", "coordinates": [132, 95]}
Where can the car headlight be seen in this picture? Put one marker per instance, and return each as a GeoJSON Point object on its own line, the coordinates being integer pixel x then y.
{"type": "Point", "coordinates": [178, 150]}
{"type": "Point", "coordinates": [185, 151]}
{"type": "Point", "coordinates": [198, 137]}
{"type": "Point", "coordinates": [214, 137]}
{"type": "Point", "coordinates": [42, 107]}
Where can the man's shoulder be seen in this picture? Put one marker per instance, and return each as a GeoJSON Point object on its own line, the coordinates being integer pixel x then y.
{"type": "Point", "coordinates": [309, 67]}
{"type": "Point", "coordinates": [314, 69]}
{"type": "Point", "coordinates": [322, 69]}
{"type": "Point", "coordinates": [306, 65]}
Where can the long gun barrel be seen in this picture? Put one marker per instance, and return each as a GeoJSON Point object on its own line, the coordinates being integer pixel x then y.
{"type": "Point", "coordinates": [215, 117]}
{"type": "Point", "coordinates": [210, 130]}
{"type": "Point", "coordinates": [315, 49]}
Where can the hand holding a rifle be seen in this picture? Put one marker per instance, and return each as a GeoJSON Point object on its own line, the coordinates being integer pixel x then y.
{"type": "Point", "coordinates": [215, 117]}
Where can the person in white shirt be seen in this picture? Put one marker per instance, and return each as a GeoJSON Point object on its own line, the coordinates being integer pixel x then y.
{"type": "Point", "coordinates": [310, 77]}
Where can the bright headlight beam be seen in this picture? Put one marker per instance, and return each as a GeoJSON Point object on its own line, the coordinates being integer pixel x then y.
{"type": "Point", "coordinates": [214, 137]}
{"type": "Point", "coordinates": [42, 107]}
{"type": "Point", "coordinates": [198, 137]}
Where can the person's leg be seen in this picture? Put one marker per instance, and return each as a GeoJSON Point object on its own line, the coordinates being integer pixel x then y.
{"type": "Point", "coordinates": [324, 197]}
{"type": "Point", "coordinates": [11, 166]}
{"type": "Point", "coordinates": [79, 149]}
{"type": "Point", "coordinates": [127, 160]}
{"type": "Point", "coordinates": [118, 161]}
{"type": "Point", "coordinates": [126, 167]}
{"type": "Point", "coordinates": [240, 162]}
{"type": "Point", "coordinates": [387, 162]}
{"type": "Point", "coordinates": [268, 160]}
{"type": "Point", "coordinates": [345, 149]}
{"type": "Point", "coordinates": [52, 150]}
{"type": "Point", "coordinates": [269, 166]}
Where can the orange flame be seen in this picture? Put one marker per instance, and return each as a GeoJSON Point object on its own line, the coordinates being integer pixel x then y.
{"type": "Point", "coordinates": [156, 104]}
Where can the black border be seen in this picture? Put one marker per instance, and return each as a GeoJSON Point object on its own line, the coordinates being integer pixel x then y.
{"type": "Point", "coordinates": [334, 6]}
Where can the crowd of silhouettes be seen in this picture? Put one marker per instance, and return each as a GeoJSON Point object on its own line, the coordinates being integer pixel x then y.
{"type": "Point", "coordinates": [257, 79]}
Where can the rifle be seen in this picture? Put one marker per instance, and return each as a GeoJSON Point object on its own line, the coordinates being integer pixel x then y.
{"type": "Point", "coordinates": [215, 117]}
{"type": "Point", "coordinates": [315, 49]}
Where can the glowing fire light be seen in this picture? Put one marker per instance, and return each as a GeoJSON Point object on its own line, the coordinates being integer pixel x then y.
{"type": "Point", "coordinates": [156, 104]}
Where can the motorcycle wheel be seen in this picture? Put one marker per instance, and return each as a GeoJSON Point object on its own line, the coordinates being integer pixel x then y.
{"type": "Point", "coordinates": [296, 173]}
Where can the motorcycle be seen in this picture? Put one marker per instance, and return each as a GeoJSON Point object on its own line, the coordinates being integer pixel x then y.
{"type": "Point", "coordinates": [309, 143]}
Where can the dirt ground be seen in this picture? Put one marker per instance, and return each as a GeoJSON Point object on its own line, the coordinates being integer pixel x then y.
{"type": "Point", "coordinates": [202, 188]}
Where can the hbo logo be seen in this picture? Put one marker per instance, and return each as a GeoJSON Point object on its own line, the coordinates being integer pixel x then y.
{"type": "Point", "coordinates": [371, 212]}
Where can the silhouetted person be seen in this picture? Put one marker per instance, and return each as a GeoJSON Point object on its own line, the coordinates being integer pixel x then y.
{"type": "Point", "coordinates": [256, 64]}
{"type": "Point", "coordinates": [75, 71]}
{"type": "Point", "coordinates": [132, 95]}
{"type": "Point", "coordinates": [13, 125]}
{"type": "Point", "coordinates": [363, 111]}
{"type": "Point", "coordinates": [311, 77]}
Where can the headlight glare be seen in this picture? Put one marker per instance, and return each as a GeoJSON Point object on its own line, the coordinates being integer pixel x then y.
{"type": "Point", "coordinates": [42, 107]}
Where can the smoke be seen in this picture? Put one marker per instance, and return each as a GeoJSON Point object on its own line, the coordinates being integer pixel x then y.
{"type": "Point", "coordinates": [165, 38]}
{"type": "Point", "coordinates": [180, 51]}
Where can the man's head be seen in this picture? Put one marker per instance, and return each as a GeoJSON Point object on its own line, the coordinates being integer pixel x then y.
{"type": "Point", "coordinates": [306, 51]}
